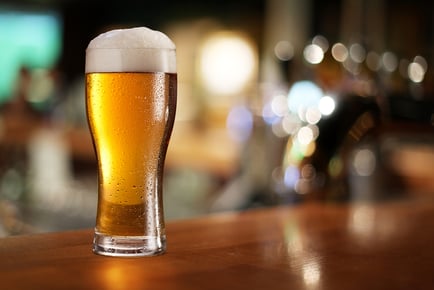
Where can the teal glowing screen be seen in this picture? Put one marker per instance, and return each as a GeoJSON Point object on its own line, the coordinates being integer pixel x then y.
{"type": "Point", "coordinates": [27, 39]}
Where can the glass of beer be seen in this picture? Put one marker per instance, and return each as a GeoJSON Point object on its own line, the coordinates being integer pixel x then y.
{"type": "Point", "coordinates": [131, 85]}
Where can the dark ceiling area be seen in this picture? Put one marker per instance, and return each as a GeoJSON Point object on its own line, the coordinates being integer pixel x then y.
{"type": "Point", "coordinates": [85, 19]}
{"type": "Point", "coordinates": [408, 24]}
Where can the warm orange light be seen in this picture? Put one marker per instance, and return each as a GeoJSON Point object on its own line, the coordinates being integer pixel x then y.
{"type": "Point", "coordinates": [227, 63]}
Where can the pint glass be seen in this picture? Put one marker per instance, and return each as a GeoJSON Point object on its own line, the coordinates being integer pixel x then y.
{"type": "Point", "coordinates": [131, 85]}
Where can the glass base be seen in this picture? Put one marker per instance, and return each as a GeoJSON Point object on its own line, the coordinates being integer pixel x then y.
{"type": "Point", "coordinates": [128, 246]}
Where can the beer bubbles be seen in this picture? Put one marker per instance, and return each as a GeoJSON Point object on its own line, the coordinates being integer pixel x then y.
{"type": "Point", "coordinates": [131, 93]}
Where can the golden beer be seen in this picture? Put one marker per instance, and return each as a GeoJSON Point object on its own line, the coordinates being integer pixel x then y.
{"type": "Point", "coordinates": [131, 117]}
{"type": "Point", "coordinates": [131, 102]}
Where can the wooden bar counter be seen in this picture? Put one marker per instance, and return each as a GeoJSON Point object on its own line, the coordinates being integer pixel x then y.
{"type": "Point", "coordinates": [388, 245]}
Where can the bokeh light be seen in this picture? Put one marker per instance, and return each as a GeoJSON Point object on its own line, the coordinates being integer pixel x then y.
{"type": "Point", "coordinates": [339, 52]}
{"type": "Point", "coordinates": [422, 62]}
{"type": "Point", "coordinates": [322, 42]}
{"type": "Point", "coordinates": [357, 53]}
{"type": "Point", "coordinates": [313, 115]}
{"type": "Point", "coordinates": [290, 123]}
{"type": "Point", "coordinates": [240, 123]}
{"type": "Point", "coordinates": [303, 94]}
{"type": "Point", "coordinates": [416, 72]}
{"type": "Point", "coordinates": [326, 105]}
{"type": "Point", "coordinates": [364, 162]}
{"type": "Point", "coordinates": [227, 63]}
{"type": "Point", "coordinates": [284, 50]}
{"type": "Point", "coordinates": [291, 176]}
{"type": "Point", "coordinates": [313, 54]}
{"type": "Point", "coordinates": [390, 61]}
{"type": "Point", "coordinates": [279, 105]}
{"type": "Point", "coordinates": [268, 115]}
{"type": "Point", "coordinates": [305, 135]}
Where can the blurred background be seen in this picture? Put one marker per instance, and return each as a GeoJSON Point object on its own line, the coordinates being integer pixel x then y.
{"type": "Point", "coordinates": [279, 102]}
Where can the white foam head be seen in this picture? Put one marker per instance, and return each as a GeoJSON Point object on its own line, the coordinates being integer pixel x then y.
{"type": "Point", "coordinates": [137, 49]}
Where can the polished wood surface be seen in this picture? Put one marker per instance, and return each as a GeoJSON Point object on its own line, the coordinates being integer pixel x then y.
{"type": "Point", "coordinates": [311, 246]}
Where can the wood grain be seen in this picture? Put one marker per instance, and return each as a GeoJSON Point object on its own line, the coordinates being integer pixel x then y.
{"type": "Point", "coordinates": [311, 246]}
